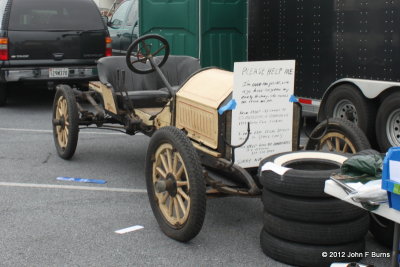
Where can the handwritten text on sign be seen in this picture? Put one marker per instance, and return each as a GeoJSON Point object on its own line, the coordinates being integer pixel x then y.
{"type": "Point", "coordinates": [262, 91]}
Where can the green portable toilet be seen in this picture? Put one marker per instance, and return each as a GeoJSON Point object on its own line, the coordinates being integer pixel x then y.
{"type": "Point", "coordinates": [213, 30]}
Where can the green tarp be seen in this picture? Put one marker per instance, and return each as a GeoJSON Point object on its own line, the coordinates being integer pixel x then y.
{"type": "Point", "coordinates": [363, 165]}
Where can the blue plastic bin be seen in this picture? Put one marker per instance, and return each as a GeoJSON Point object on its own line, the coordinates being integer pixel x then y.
{"type": "Point", "coordinates": [392, 187]}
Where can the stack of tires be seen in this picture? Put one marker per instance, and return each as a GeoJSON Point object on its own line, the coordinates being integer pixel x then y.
{"type": "Point", "coordinates": [303, 226]}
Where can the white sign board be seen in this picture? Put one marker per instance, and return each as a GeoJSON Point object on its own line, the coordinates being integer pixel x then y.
{"type": "Point", "coordinates": [262, 91]}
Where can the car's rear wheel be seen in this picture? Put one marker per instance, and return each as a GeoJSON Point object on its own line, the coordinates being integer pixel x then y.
{"type": "Point", "coordinates": [65, 122]}
{"type": "Point", "coordinates": [175, 184]}
{"type": "Point", "coordinates": [3, 95]}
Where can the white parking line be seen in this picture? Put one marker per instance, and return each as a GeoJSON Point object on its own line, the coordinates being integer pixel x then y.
{"type": "Point", "coordinates": [72, 187]}
{"type": "Point", "coordinates": [50, 131]}
{"type": "Point", "coordinates": [129, 229]}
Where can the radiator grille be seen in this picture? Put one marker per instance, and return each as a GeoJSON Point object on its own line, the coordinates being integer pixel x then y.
{"type": "Point", "coordinates": [199, 121]}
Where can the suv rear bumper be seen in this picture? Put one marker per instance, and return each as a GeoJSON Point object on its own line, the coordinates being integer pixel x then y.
{"type": "Point", "coordinates": [77, 73]}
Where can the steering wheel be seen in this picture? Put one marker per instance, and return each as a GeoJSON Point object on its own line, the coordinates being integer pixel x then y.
{"type": "Point", "coordinates": [141, 51]}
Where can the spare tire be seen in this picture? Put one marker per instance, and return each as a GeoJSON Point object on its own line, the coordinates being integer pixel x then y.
{"type": "Point", "coordinates": [310, 255]}
{"type": "Point", "coordinates": [315, 210]}
{"type": "Point", "coordinates": [307, 172]}
{"type": "Point", "coordinates": [316, 233]}
{"type": "Point", "coordinates": [337, 135]}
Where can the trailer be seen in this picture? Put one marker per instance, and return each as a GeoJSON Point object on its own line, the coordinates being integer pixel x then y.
{"type": "Point", "coordinates": [346, 55]}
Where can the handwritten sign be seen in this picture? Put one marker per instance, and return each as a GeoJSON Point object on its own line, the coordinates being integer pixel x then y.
{"type": "Point", "coordinates": [262, 91]}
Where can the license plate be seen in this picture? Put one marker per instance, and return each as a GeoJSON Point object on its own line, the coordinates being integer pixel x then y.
{"type": "Point", "coordinates": [58, 72]}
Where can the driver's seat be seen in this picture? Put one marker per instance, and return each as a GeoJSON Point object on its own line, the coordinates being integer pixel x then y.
{"type": "Point", "coordinates": [145, 90]}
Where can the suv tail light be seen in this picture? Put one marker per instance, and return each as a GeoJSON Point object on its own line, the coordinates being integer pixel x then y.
{"type": "Point", "coordinates": [3, 48]}
{"type": "Point", "coordinates": [108, 47]}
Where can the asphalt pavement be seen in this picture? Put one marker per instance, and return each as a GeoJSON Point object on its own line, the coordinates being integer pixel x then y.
{"type": "Point", "coordinates": [47, 222]}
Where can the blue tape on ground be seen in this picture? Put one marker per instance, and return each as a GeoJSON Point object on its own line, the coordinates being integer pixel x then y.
{"type": "Point", "coordinates": [81, 180]}
{"type": "Point", "coordinates": [293, 99]}
{"type": "Point", "coordinates": [230, 106]}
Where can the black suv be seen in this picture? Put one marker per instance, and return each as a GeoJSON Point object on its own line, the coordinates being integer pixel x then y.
{"type": "Point", "coordinates": [51, 41]}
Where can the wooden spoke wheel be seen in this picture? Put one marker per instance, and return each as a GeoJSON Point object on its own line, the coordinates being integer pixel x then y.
{"type": "Point", "coordinates": [65, 122]}
{"type": "Point", "coordinates": [62, 128]}
{"type": "Point", "coordinates": [338, 135]}
{"type": "Point", "coordinates": [338, 142]}
{"type": "Point", "coordinates": [175, 184]}
{"type": "Point", "coordinates": [171, 184]}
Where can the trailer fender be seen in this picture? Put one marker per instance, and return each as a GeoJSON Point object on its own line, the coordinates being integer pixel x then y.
{"type": "Point", "coordinates": [369, 88]}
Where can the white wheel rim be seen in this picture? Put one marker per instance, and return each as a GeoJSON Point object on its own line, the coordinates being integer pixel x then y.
{"type": "Point", "coordinates": [344, 106]}
{"type": "Point", "coordinates": [393, 128]}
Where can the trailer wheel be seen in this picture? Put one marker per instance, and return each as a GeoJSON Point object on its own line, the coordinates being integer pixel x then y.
{"type": "Point", "coordinates": [175, 184]}
{"type": "Point", "coordinates": [3, 95]}
{"type": "Point", "coordinates": [339, 136]}
{"type": "Point", "coordinates": [347, 102]}
{"type": "Point", "coordinates": [388, 123]}
{"type": "Point", "coordinates": [65, 122]}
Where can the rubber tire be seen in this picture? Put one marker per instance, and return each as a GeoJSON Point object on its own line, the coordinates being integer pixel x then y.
{"type": "Point", "coordinates": [307, 255]}
{"type": "Point", "coordinates": [390, 104]}
{"type": "Point", "coordinates": [383, 235]}
{"type": "Point", "coordinates": [3, 95]}
{"type": "Point", "coordinates": [66, 91]}
{"type": "Point", "coordinates": [183, 145]}
{"type": "Point", "coordinates": [345, 127]}
{"type": "Point", "coordinates": [310, 210]}
{"type": "Point", "coordinates": [316, 233]}
{"type": "Point", "coordinates": [366, 108]}
{"type": "Point", "coordinates": [301, 182]}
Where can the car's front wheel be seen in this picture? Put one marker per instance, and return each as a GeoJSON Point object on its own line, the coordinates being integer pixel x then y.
{"type": "Point", "coordinates": [65, 122]}
{"type": "Point", "coordinates": [175, 184]}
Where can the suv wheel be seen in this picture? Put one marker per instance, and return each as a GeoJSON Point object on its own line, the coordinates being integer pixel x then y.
{"type": "Point", "coordinates": [3, 95]}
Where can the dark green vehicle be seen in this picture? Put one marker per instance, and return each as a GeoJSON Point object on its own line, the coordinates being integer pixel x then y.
{"type": "Point", "coordinates": [123, 26]}
{"type": "Point", "coordinates": [214, 32]}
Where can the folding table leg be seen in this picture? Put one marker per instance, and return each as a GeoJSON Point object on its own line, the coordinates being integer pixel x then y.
{"type": "Point", "coordinates": [395, 250]}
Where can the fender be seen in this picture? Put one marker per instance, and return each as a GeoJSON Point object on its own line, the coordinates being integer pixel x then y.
{"type": "Point", "coordinates": [369, 88]}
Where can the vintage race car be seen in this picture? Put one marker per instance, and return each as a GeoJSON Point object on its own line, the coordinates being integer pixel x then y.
{"type": "Point", "coordinates": [175, 102]}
